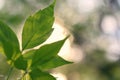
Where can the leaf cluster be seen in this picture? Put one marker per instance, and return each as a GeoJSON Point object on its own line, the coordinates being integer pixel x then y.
{"type": "Point", "coordinates": [34, 62]}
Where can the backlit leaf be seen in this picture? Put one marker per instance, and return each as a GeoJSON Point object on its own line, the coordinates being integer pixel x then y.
{"type": "Point", "coordinates": [53, 63]}
{"type": "Point", "coordinates": [39, 75]}
{"type": "Point", "coordinates": [9, 41]}
{"type": "Point", "coordinates": [46, 53]}
{"type": "Point", "coordinates": [38, 27]}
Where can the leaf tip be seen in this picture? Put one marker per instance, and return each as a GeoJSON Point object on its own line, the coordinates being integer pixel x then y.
{"type": "Point", "coordinates": [67, 37]}
{"type": "Point", "coordinates": [53, 4]}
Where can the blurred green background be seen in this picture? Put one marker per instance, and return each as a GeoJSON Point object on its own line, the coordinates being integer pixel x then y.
{"type": "Point", "coordinates": [94, 45]}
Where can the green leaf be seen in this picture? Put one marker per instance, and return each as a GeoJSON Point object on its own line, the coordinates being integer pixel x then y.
{"type": "Point", "coordinates": [38, 27]}
{"type": "Point", "coordinates": [21, 63]}
{"type": "Point", "coordinates": [28, 56]}
{"type": "Point", "coordinates": [1, 49]}
{"type": "Point", "coordinates": [46, 53]}
{"type": "Point", "coordinates": [9, 41]}
{"type": "Point", "coordinates": [39, 75]}
{"type": "Point", "coordinates": [24, 61]}
{"type": "Point", "coordinates": [53, 63]}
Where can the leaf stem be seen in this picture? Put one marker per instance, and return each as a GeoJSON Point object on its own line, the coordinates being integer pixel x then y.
{"type": "Point", "coordinates": [9, 73]}
{"type": "Point", "coordinates": [23, 75]}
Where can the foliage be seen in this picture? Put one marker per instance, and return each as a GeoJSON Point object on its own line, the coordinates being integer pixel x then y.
{"type": "Point", "coordinates": [33, 63]}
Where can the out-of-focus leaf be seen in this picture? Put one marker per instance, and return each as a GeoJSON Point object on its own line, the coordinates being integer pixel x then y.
{"type": "Point", "coordinates": [38, 27]}
{"type": "Point", "coordinates": [39, 75]}
{"type": "Point", "coordinates": [53, 63]}
{"type": "Point", "coordinates": [1, 49]}
{"type": "Point", "coordinates": [9, 41]}
{"type": "Point", "coordinates": [21, 63]}
{"type": "Point", "coordinates": [46, 53]}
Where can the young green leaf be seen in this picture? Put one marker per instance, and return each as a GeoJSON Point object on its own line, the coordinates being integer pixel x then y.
{"type": "Point", "coordinates": [21, 63]}
{"type": "Point", "coordinates": [53, 63]}
{"type": "Point", "coordinates": [9, 41]}
{"type": "Point", "coordinates": [46, 53]}
{"type": "Point", "coordinates": [39, 75]}
{"type": "Point", "coordinates": [38, 27]}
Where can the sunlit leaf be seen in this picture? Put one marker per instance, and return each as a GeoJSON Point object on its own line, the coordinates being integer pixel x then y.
{"type": "Point", "coordinates": [9, 41]}
{"type": "Point", "coordinates": [39, 75]}
{"type": "Point", "coordinates": [46, 53]}
{"type": "Point", "coordinates": [33, 62]}
{"type": "Point", "coordinates": [53, 63]}
{"type": "Point", "coordinates": [38, 27]}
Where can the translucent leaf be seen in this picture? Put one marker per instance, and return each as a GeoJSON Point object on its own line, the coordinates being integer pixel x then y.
{"type": "Point", "coordinates": [46, 53]}
{"type": "Point", "coordinates": [53, 63]}
{"type": "Point", "coordinates": [39, 75]}
{"type": "Point", "coordinates": [9, 41]}
{"type": "Point", "coordinates": [38, 27]}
